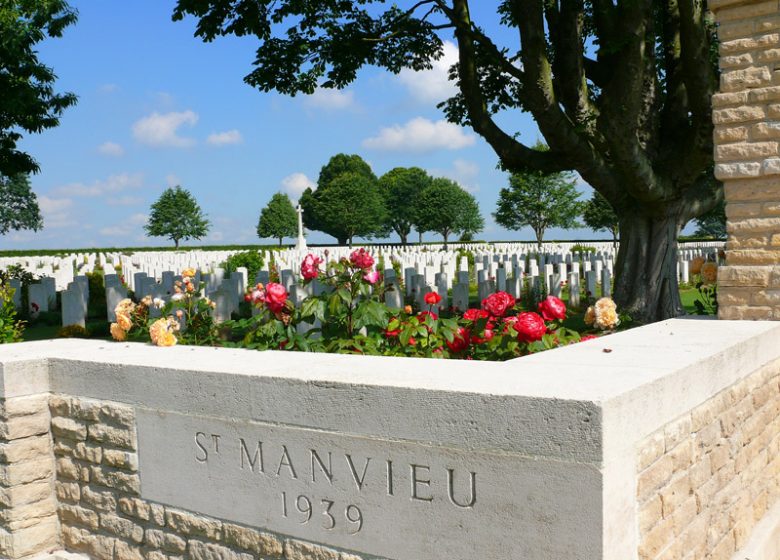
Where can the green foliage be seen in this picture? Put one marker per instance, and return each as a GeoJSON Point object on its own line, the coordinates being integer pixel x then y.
{"type": "Point", "coordinates": [400, 188]}
{"type": "Point", "coordinates": [445, 208]}
{"type": "Point", "coordinates": [278, 219]}
{"type": "Point", "coordinates": [73, 331]}
{"type": "Point", "coordinates": [28, 102]}
{"type": "Point", "coordinates": [712, 225]}
{"type": "Point", "coordinates": [539, 200]}
{"type": "Point", "coordinates": [177, 216]}
{"type": "Point", "coordinates": [11, 328]}
{"type": "Point", "coordinates": [26, 278]}
{"type": "Point", "coordinates": [251, 260]}
{"type": "Point", "coordinates": [347, 202]}
{"type": "Point", "coordinates": [599, 215]}
{"type": "Point", "coordinates": [96, 307]}
{"type": "Point", "coordinates": [18, 205]}
{"type": "Point", "coordinates": [580, 248]}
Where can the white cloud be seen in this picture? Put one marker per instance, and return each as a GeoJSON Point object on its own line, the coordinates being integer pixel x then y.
{"type": "Point", "coordinates": [172, 180]}
{"type": "Point", "coordinates": [330, 99]}
{"type": "Point", "coordinates": [420, 135]}
{"type": "Point", "coordinates": [432, 85]}
{"type": "Point", "coordinates": [111, 149]}
{"type": "Point", "coordinates": [295, 184]}
{"type": "Point", "coordinates": [124, 201]}
{"type": "Point", "coordinates": [108, 88]}
{"type": "Point", "coordinates": [114, 184]}
{"type": "Point", "coordinates": [462, 172]}
{"type": "Point", "coordinates": [161, 129]}
{"type": "Point", "coordinates": [56, 212]}
{"type": "Point", "coordinates": [224, 138]}
{"type": "Point", "coordinates": [126, 227]}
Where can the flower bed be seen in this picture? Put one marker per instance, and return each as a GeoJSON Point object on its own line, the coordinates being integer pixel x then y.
{"type": "Point", "coordinates": [349, 315]}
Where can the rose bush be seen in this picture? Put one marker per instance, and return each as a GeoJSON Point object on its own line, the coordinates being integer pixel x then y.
{"type": "Point", "coordinates": [344, 311]}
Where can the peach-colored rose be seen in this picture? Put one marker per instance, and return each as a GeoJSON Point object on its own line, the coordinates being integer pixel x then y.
{"type": "Point", "coordinates": [188, 272]}
{"type": "Point", "coordinates": [590, 316]}
{"type": "Point", "coordinates": [118, 333]}
{"type": "Point", "coordinates": [124, 321]}
{"type": "Point", "coordinates": [695, 265]}
{"type": "Point", "coordinates": [709, 272]}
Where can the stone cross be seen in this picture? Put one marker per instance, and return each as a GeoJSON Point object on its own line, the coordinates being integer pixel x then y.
{"type": "Point", "coordinates": [301, 245]}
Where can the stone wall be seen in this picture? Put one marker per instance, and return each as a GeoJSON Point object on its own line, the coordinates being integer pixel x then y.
{"type": "Point", "coordinates": [746, 113]}
{"type": "Point", "coordinates": [706, 479]}
{"type": "Point", "coordinates": [101, 512]}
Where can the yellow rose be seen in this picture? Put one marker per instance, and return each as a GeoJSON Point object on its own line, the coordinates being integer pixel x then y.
{"type": "Point", "coordinates": [607, 319]}
{"type": "Point", "coordinates": [124, 322]}
{"type": "Point", "coordinates": [118, 333]}
{"type": "Point", "coordinates": [590, 316]}
{"type": "Point", "coordinates": [166, 339]}
{"type": "Point", "coordinates": [162, 332]}
{"type": "Point", "coordinates": [709, 272]}
{"type": "Point", "coordinates": [188, 272]}
{"type": "Point", "coordinates": [156, 329]}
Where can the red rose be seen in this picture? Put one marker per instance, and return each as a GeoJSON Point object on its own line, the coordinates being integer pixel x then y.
{"type": "Point", "coordinates": [552, 309]}
{"type": "Point", "coordinates": [530, 327]}
{"type": "Point", "coordinates": [460, 342]}
{"type": "Point", "coordinates": [361, 259]}
{"type": "Point", "coordinates": [310, 268]}
{"type": "Point", "coordinates": [498, 304]}
{"type": "Point", "coordinates": [423, 314]}
{"type": "Point", "coordinates": [392, 333]}
{"type": "Point", "coordinates": [510, 321]}
{"type": "Point", "coordinates": [487, 335]}
{"type": "Point", "coordinates": [432, 298]}
{"type": "Point", "coordinates": [587, 337]}
{"type": "Point", "coordinates": [275, 296]}
{"type": "Point", "coordinates": [475, 314]}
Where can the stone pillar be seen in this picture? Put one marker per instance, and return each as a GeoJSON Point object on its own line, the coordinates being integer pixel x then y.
{"type": "Point", "coordinates": [746, 113]}
{"type": "Point", "coordinates": [28, 508]}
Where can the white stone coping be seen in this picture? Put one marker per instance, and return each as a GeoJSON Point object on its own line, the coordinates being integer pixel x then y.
{"type": "Point", "coordinates": [569, 403]}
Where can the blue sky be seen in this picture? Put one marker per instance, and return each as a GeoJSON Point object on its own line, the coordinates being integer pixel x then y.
{"type": "Point", "coordinates": [158, 107]}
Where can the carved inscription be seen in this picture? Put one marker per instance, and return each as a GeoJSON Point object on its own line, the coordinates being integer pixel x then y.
{"type": "Point", "coordinates": [319, 468]}
{"type": "Point", "coordinates": [382, 497]}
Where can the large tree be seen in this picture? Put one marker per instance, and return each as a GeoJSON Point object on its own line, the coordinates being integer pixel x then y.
{"type": "Point", "coordinates": [445, 208]}
{"type": "Point", "coordinates": [278, 219]}
{"type": "Point", "coordinates": [28, 103]}
{"type": "Point", "coordinates": [337, 165]}
{"type": "Point", "coordinates": [599, 215]}
{"type": "Point", "coordinates": [713, 223]}
{"type": "Point", "coordinates": [18, 205]}
{"type": "Point", "coordinates": [540, 201]}
{"type": "Point", "coordinates": [620, 90]}
{"type": "Point", "coordinates": [177, 216]}
{"type": "Point", "coordinates": [400, 187]}
{"type": "Point", "coordinates": [351, 206]}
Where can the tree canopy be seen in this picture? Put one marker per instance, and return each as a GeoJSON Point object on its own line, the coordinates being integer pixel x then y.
{"type": "Point", "coordinates": [278, 219]}
{"type": "Point", "coordinates": [620, 90]}
{"type": "Point", "coordinates": [177, 216]}
{"type": "Point", "coordinates": [445, 208]}
{"type": "Point", "coordinates": [599, 215]}
{"type": "Point", "coordinates": [400, 188]}
{"type": "Point", "coordinates": [713, 223]}
{"type": "Point", "coordinates": [540, 201]}
{"type": "Point", "coordinates": [18, 205]}
{"type": "Point", "coordinates": [28, 103]}
{"type": "Point", "coordinates": [321, 206]}
{"type": "Point", "coordinates": [351, 206]}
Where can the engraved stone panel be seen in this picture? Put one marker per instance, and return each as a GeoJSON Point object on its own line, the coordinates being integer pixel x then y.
{"type": "Point", "coordinates": [396, 499]}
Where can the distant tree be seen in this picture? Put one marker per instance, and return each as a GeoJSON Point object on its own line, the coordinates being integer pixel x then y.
{"type": "Point", "coordinates": [28, 102]}
{"type": "Point", "coordinates": [177, 216]}
{"type": "Point", "coordinates": [18, 205]}
{"type": "Point", "coordinates": [351, 206]}
{"type": "Point", "coordinates": [539, 200]}
{"type": "Point", "coordinates": [599, 215]}
{"type": "Point", "coordinates": [442, 206]}
{"type": "Point", "coordinates": [318, 206]}
{"type": "Point", "coordinates": [278, 219]}
{"type": "Point", "coordinates": [713, 223]}
{"type": "Point", "coordinates": [470, 221]}
{"type": "Point", "coordinates": [400, 188]}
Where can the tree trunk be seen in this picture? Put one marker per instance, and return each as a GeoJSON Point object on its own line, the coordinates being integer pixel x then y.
{"type": "Point", "coordinates": [615, 237]}
{"type": "Point", "coordinates": [403, 237]}
{"type": "Point", "coordinates": [646, 268]}
{"type": "Point", "coordinates": [539, 239]}
{"type": "Point", "coordinates": [176, 243]}
{"type": "Point", "coordinates": [445, 235]}
{"type": "Point", "coordinates": [280, 242]}
{"type": "Point", "coordinates": [419, 237]}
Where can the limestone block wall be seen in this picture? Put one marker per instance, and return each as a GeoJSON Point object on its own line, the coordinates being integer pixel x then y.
{"type": "Point", "coordinates": [746, 113]}
{"type": "Point", "coordinates": [707, 478]}
{"type": "Point", "coordinates": [101, 512]}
